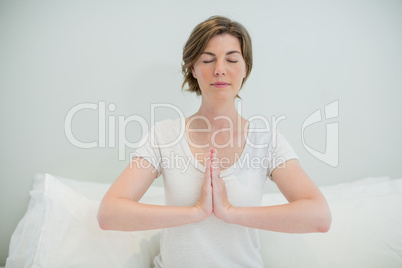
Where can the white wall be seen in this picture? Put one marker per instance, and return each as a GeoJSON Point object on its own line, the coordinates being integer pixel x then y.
{"type": "Point", "coordinates": [57, 54]}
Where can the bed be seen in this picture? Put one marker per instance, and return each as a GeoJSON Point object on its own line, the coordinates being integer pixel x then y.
{"type": "Point", "coordinates": [59, 229]}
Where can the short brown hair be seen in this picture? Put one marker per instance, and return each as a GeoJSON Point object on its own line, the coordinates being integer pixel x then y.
{"type": "Point", "coordinates": [198, 41]}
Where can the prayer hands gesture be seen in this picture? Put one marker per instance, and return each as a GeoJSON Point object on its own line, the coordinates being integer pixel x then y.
{"type": "Point", "coordinates": [213, 193]}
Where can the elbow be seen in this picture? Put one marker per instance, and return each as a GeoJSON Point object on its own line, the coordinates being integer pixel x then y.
{"type": "Point", "coordinates": [102, 218]}
{"type": "Point", "coordinates": [324, 224]}
{"type": "Point", "coordinates": [101, 221]}
{"type": "Point", "coordinates": [323, 217]}
{"type": "Point", "coordinates": [102, 224]}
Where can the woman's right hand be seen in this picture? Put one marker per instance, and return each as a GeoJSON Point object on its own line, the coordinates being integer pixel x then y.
{"type": "Point", "coordinates": [205, 204]}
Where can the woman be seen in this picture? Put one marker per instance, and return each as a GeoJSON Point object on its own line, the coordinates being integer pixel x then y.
{"type": "Point", "coordinates": [213, 205]}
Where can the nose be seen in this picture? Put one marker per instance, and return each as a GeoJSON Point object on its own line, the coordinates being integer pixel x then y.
{"type": "Point", "coordinates": [220, 68]}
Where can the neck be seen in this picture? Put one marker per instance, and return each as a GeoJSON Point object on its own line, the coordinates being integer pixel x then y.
{"type": "Point", "coordinates": [219, 115]}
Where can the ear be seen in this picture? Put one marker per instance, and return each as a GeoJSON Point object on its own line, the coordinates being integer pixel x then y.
{"type": "Point", "coordinates": [193, 72]}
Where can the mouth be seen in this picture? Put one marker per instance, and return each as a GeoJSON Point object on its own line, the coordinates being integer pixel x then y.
{"type": "Point", "coordinates": [220, 84]}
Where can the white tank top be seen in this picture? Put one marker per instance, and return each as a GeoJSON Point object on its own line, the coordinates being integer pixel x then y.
{"type": "Point", "coordinates": [212, 242]}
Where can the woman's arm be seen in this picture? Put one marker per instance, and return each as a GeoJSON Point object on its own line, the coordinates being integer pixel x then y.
{"type": "Point", "coordinates": [120, 209]}
{"type": "Point", "coordinates": [307, 210]}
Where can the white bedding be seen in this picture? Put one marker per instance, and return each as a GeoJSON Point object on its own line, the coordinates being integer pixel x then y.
{"type": "Point", "coordinates": [60, 229]}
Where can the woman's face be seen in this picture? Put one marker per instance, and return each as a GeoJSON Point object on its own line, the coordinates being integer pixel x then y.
{"type": "Point", "coordinates": [221, 68]}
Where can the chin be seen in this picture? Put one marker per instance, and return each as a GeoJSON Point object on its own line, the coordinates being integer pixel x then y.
{"type": "Point", "coordinates": [219, 94]}
{"type": "Point", "coordinates": [223, 97]}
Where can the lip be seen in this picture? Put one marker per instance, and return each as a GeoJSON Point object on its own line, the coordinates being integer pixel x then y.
{"type": "Point", "coordinates": [220, 84]}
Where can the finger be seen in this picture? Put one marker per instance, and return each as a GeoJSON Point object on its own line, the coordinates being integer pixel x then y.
{"type": "Point", "coordinates": [215, 161]}
{"type": "Point", "coordinates": [211, 158]}
{"type": "Point", "coordinates": [215, 167]}
{"type": "Point", "coordinates": [208, 171]}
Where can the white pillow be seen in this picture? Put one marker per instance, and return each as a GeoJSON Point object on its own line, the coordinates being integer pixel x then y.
{"type": "Point", "coordinates": [343, 191]}
{"type": "Point", "coordinates": [60, 229]}
{"type": "Point", "coordinates": [25, 237]}
{"type": "Point", "coordinates": [366, 230]}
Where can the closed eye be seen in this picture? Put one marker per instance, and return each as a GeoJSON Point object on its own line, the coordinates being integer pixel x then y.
{"type": "Point", "coordinates": [209, 61]}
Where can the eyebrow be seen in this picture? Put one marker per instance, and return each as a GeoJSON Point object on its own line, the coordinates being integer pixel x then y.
{"type": "Point", "coordinates": [229, 53]}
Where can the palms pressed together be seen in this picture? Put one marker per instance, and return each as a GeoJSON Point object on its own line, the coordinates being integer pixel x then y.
{"type": "Point", "coordinates": [213, 195]}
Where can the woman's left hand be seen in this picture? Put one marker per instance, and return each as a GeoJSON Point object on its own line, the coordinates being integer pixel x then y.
{"type": "Point", "coordinates": [221, 204]}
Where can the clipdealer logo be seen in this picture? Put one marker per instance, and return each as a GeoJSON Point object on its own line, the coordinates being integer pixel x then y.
{"type": "Point", "coordinates": [107, 136]}
{"type": "Point", "coordinates": [331, 154]}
